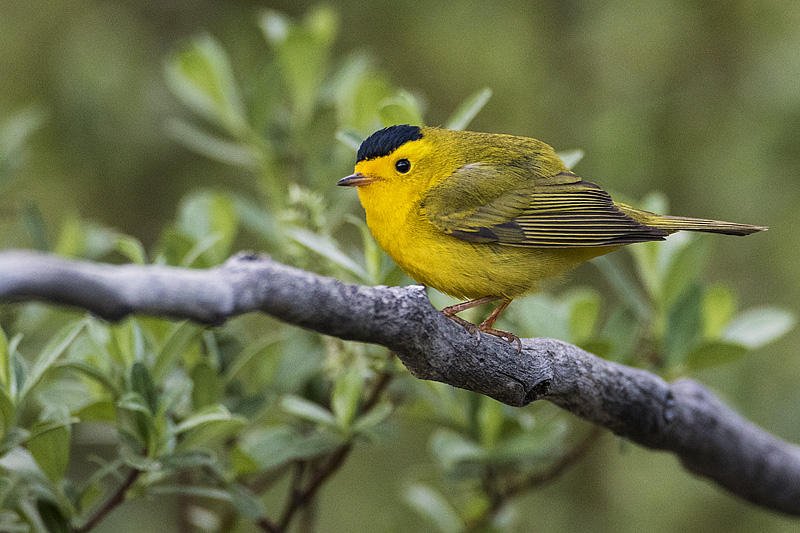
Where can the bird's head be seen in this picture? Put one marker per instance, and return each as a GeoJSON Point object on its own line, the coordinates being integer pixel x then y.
{"type": "Point", "coordinates": [399, 157]}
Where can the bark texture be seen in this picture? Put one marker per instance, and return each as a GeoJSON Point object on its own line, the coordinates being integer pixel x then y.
{"type": "Point", "coordinates": [681, 417]}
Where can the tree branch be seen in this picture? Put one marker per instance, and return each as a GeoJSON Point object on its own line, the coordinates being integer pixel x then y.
{"type": "Point", "coordinates": [682, 417]}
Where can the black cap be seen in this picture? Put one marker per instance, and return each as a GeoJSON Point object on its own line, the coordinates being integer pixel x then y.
{"type": "Point", "coordinates": [384, 142]}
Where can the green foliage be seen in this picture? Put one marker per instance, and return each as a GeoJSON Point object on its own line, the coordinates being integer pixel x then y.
{"type": "Point", "coordinates": [223, 415]}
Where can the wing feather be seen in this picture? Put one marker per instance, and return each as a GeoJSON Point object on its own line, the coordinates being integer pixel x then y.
{"type": "Point", "coordinates": [518, 210]}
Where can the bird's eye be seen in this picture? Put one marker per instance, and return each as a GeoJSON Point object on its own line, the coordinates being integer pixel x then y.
{"type": "Point", "coordinates": [402, 166]}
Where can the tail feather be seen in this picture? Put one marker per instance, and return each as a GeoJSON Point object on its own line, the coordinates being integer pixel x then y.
{"type": "Point", "coordinates": [673, 223]}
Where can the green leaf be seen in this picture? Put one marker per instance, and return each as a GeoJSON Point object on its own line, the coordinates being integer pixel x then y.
{"type": "Point", "coordinates": [433, 506]}
{"type": "Point", "coordinates": [91, 372]}
{"type": "Point", "coordinates": [37, 229]}
{"type": "Point", "coordinates": [5, 362]}
{"type": "Point", "coordinates": [99, 411]}
{"type": "Point", "coordinates": [759, 326]}
{"type": "Point", "coordinates": [713, 354]}
{"type": "Point", "coordinates": [268, 447]}
{"type": "Point", "coordinates": [373, 255]}
{"type": "Point", "coordinates": [346, 394]}
{"type": "Point", "coordinates": [193, 491]}
{"type": "Point", "coordinates": [255, 218]}
{"type": "Point", "coordinates": [15, 132]}
{"type": "Point", "coordinates": [684, 326]}
{"type": "Point", "coordinates": [127, 343]}
{"type": "Point", "coordinates": [70, 240]}
{"type": "Point", "coordinates": [206, 244]}
{"type": "Point", "coordinates": [684, 269]}
{"type": "Point", "coordinates": [655, 202]}
{"type": "Point", "coordinates": [7, 412]}
{"type": "Point", "coordinates": [571, 158]}
{"type": "Point", "coordinates": [375, 416]}
{"type": "Point", "coordinates": [240, 497]}
{"type": "Point", "coordinates": [653, 258]}
{"type": "Point", "coordinates": [491, 416]}
{"type": "Point", "coordinates": [349, 137]}
{"type": "Point", "coordinates": [273, 446]}
{"type": "Point", "coordinates": [213, 413]}
{"type": "Point", "coordinates": [212, 433]}
{"type": "Point", "coordinates": [131, 248]}
{"type": "Point", "coordinates": [52, 517]}
{"type": "Point", "coordinates": [275, 26]}
{"type": "Point", "coordinates": [260, 350]}
{"type": "Point", "coordinates": [55, 348]}
{"type": "Point", "coordinates": [402, 108]}
{"type": "Point", "coordinates": [625, 287]}
{"type": "Point", "coordinates": [645, 257]}
{"type": "Point", "coordinates": [11, 522]}
{"type": "Point", "coordinates": [541, 315]}
{"type": "Point", "coordinates": [133, 401]}
{"type": "Point", "coordinates": [98, 240]}
{"type": "Point", "coordinates": [13, 438]}
{"type": "Point", "coordinates": [301, 54]}
{"type": "Point", "coordinates": [201, 76]}
{"type": "Point", "coordinates": [188, 460]}
{"type": "Point", "coordinates": [181, 336]}
{"type": "Point", "coordinates": [540, 441]}
{"type": "Point", "coordinates": [452, 448]}
{"type": "Point", "coordinates": [584, 312]}
{"type": "Point", "coordinates": [246, 503]}
{"type": "Point", "coordinates": [209, 145]}
{"type": "Point", "coordinates": [307, 410]}
{"type": "Point", "coordinates": [468, 109]}
{"type": "Point", "coordinates": [326, 247]}
{"type": "Point", "coordinates": [176, 393]}
{"type": "Point", "coordinates": [49, 446]}
{"type": "Point", "coordinates": [212, 221]}
{"type": "Point", "coordinates": [207, 385]}
{"type": "Point", "coordinates": [719, 304]}
{"type": "Point", "coordinates": [143, 385]}
{"type": "Point", "coordinates": [358, 100]}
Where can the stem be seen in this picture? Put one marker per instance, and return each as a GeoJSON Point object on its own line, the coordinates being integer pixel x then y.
{"type": "Point", "coordinates": [498, 496]}
{"type": "Point", "coordinates": [116, 498]}
{"type": "Point", "coordinates": [556, 469]}
{"type": "Point", "coordinates": [267, 525]}
{"type": "Point", "coordinates": [300, 499]}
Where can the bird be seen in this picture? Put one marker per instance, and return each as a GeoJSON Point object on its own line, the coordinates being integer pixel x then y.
{"type": "Point", "coordinates": [485, 217]}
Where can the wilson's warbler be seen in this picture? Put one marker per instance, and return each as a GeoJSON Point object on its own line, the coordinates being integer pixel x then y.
{"type": "Point", "coordinates": [485, 216]}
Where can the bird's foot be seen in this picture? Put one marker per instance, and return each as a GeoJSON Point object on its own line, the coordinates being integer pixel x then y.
{"type": "Point", "coordinates": [506, 335]}
{"type": "Point", "coordinates": [471, 328]}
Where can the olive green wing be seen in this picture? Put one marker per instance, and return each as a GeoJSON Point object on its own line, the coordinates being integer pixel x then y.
{"type": "Point", "coordinates": [481, 203]}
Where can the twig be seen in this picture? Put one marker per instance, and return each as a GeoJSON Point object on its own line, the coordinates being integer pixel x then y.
{"type": "Point", "coordinates": [301, 498]}
{"type": "Point", "coordinates": [683, 417]}
{"type": "Point", "coordinates": [266, 524]}
{"type": "Point", "coordinates": [556, 469]}
{"type": "Point", "coordinates": [499, 494]}
{"type": "Point", "coordinates": [116, 498]}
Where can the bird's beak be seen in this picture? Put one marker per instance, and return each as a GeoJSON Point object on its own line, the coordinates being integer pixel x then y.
{"type": "Point", "coordinates": [354, 180]}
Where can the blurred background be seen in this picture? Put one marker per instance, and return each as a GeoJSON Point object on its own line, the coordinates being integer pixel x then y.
{"type": "Point", "coordinates": [698, 100]}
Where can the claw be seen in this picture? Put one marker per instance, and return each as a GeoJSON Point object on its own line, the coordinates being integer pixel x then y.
{"type": "Point", "coordinates": [486, 325]}
{"type": "Point", "coordinates": [505, 335]}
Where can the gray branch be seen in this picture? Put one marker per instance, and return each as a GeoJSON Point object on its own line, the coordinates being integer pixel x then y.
{"type": "Point", "coordinates": [681, 417]}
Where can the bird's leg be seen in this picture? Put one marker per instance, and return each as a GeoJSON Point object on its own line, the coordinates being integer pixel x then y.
{"type": "Point", "coordinates": [450, 312]}
{"type": "Point", "coordinates": [489, 322]}
{"type": "Point", "coordinates": [486, 326]}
